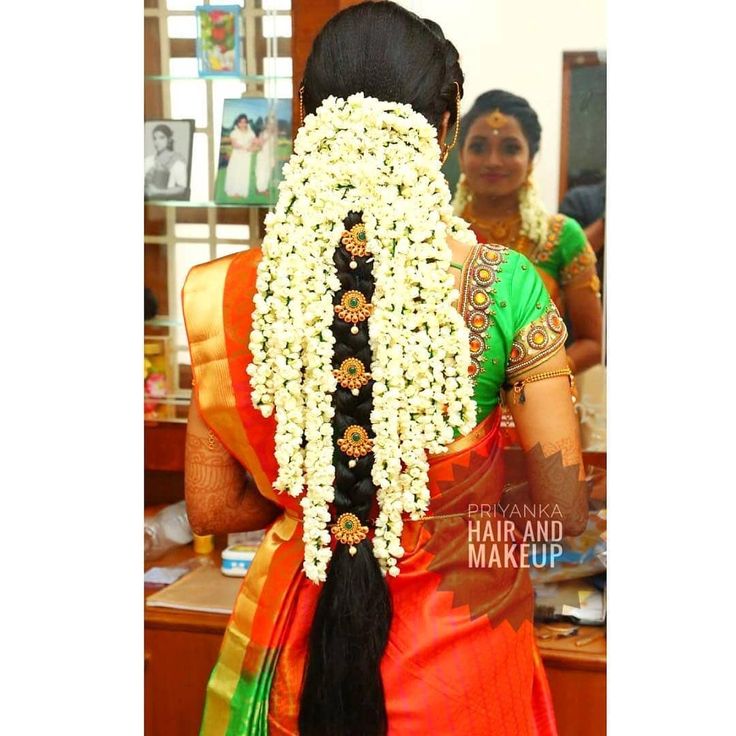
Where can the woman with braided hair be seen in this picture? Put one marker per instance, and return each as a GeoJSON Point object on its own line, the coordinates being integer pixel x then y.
{"type": "Point", "coordinates": [499, 138]}
{"type": "Point", "coordinates": [344, 400]}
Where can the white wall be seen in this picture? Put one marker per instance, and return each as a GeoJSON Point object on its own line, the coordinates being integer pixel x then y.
{"type": "Point", "coordinates": [517, 45]}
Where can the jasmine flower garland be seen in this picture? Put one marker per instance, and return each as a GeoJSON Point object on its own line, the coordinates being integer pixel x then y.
{"type": "Point", "coordinates": [381, 159]}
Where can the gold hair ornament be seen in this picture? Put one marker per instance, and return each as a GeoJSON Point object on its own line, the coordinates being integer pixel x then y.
{"type": "Point", "coordinates": [446, 149]}
{"type": "Point", "coordinates": [352, 374]}
{"type": "Point", "coordinates": [353, 307]}
{"type": "Point", "coordinates": [355, 441]}
{"type": "Point", "coordinates": [348, 530]}
{"type": "Point", "coordinates": [496, 120]}
{"type": "Point", "coordinates": [355, 240]}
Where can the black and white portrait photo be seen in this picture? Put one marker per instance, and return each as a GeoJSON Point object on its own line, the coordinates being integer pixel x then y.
{"type": "Point", "coordinates": [168, 158]}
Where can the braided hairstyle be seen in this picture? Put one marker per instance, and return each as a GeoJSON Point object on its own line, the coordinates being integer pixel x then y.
{"type": "Point", "coordinates": [388, 53]}
{"type": "Point", "coordinates": [508, 104]}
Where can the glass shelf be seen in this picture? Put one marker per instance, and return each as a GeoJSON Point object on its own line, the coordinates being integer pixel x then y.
{"type": "Point", "coordinates": [179, 399]}
{"type": "Point", "coordinates": [163, 322]}
{"type": "Point", "coordinates": [225, 77]}
{"type": "Point", "coordinates": [183, 203]}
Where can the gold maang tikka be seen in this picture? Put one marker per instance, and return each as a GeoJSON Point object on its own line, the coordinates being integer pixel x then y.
{"type": "Point", "coordinates": [496, 120]}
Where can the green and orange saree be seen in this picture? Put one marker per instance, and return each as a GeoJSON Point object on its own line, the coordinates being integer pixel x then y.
{"type": "Point", "coordinates": [461, 656]}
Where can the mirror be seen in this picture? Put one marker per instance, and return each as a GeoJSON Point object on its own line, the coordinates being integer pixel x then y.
{"type": "Point", "coordinates": [550, 54]}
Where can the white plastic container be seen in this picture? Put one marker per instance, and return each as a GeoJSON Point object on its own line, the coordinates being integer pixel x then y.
{"type": "Point", "coordinates": [236, 559]}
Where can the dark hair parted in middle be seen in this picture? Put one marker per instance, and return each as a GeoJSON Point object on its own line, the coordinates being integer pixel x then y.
{"type": "Point", "coordinates": [388, 53]}
{"type": "Point", "coordinates": [508, 104]}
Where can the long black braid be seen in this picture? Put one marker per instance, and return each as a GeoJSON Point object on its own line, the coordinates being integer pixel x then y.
{"type": "Point", "coordinates": [388, 53]}
{"type": "Point", "coordinates": [343, 692]}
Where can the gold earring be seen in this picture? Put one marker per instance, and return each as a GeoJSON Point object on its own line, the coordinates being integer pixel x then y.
{"type": "Point", "coordinates": [446, 149]}
{"type": "Point", "coordinates": [301, 106]}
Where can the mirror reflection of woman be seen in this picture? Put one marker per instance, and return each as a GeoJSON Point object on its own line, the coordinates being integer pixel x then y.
{"type": "Point", "coordinates": [165, 169]}
{"type": "Point", "coordinates": [499, 139]}
{"type": "Point", "coordinates": [237, 176]}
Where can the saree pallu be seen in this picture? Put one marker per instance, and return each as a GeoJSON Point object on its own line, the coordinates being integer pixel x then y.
{"type": "Point", "coordinates": [461, 656]}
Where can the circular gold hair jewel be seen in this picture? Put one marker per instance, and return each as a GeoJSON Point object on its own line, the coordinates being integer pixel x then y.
{"type": "Point", "coordinates": [355, 441]}
{"type": "Point", "coordinates": [355, 240]}
{"type": "Point", "coordinates": [353, 307]}
{"type": "Point", "coordinates": [348, 530]}
{"type": "Point", "coordinates": [352, 374]}
{"type": "Point", "coordinates": [496, 120]}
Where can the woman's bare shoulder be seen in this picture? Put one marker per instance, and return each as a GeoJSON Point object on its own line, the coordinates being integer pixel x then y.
{"type": "Point", "coordinates": [460, 251]}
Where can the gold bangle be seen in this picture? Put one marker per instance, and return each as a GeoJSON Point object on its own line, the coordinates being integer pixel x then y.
{"type": "Point", "coordinates": [571, 364]}
{"type": "Point", "coordinates": [517, 387]}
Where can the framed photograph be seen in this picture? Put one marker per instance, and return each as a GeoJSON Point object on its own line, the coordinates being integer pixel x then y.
{"type": "Point", "coordinates": [255, 141]}
{"type": "Point", "coordinates": [167, 155]}
{"type": "Point", "coordinates": [156, 377]}
{"type": "Point", "coordinates": [218, 40]}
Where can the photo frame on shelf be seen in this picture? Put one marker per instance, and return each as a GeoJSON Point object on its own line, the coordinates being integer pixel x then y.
{"type": "Point", "coordinates": [255, 142]}
{"type": "Point", "coordinates": [167, 163]}
{"type": "Point", "coordinates": [157, 379]}
{"type": "Point", "coordinates": [218, 40]}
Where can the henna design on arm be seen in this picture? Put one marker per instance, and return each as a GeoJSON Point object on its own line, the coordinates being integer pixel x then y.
{"type": "Point", "coordinates": [221, 496]}
{"type": "Point", "coordinates": [556, 477]}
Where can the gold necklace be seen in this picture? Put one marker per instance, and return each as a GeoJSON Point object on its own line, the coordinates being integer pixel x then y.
{"type": "Point", "coordinates": [502, 230]}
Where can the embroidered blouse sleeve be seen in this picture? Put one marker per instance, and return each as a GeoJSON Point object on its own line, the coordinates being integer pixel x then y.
{"type": "Point", "coordinates": [578, 259]}
{"type": "Point", "coordinates": [539, 331]}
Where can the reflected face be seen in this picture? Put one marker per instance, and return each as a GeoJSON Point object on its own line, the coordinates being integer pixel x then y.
{"type": "Point", "coordinates": [495, 160]}
{"type": "Point", "coordinates": [242, 124]}
{"type": "Point", "coordinates": [160, 141]}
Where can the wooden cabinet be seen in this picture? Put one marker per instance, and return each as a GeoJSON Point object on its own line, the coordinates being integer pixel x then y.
{"type": "Point", "coordinates": [577, 679]}
{"type": "Point", "coordinates": [180, 651]}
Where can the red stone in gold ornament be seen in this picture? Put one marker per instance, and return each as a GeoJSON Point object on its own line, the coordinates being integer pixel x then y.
{"type": "Point", "coordinates": [479, 321]}
{"type": "Point", "coordinates": [517, 352]}
{"type": "Point", "coordinates": [554, 321]}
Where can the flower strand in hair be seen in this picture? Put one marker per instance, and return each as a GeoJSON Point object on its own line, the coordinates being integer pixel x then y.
{"type": "Point", "coordinates": [381, 159]}
{"type": "Point", "coordinates": [534, 215]}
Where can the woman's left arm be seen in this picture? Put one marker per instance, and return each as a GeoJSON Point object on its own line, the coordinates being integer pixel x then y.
{"type": "Point", "coordinates": [549, 434]}
{"type": "Point", "coordinates": [584, 313]}
{"type": "Point", "coordinates": [581, 289]}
